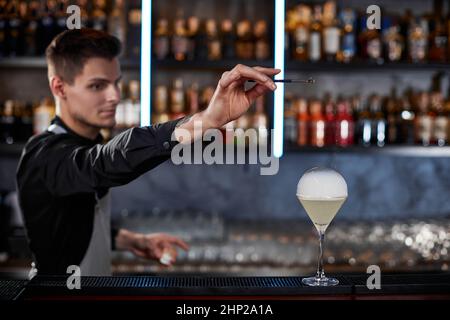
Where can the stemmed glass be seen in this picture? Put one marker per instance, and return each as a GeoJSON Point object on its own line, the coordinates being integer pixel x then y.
{"type": "Point", "coordinates": [321, 191]}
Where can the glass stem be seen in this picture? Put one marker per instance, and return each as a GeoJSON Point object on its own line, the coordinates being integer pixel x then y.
{"type": "Point", "coordinates": [320, 274]}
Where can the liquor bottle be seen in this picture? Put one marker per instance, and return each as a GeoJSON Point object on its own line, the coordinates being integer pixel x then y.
{"type": "Point", "coordinates": [424, 120]}
{"type": "Point", "coordinates": [363, 123]}
{"type": "Point", "coordinates": [394, 43]}
{"type": "Point", "coordinates": [370, 43]}
{"type": "Point", "coordinates": [437, 111]}
{"type": "Point", "coordinates": [315, 36]}
{"type": "Point", "coordinates": [378, 134]}
{"type": "Point", "coordinates": [301, 105]}
{"type": "Point", "coordinates": [177, 99]}
{"type": "Point", "coordinates": [117, 22]}
{"type": "Point", "coordinates": [228, 39]}
{"type": "Point", "coordinates": [193, 28]}
{"type": "Point", "coordinates": [330, 121]}
{"type": "Point", "coordinates": [17, 123]}
{"type": "Point", "coordinates": [301, 33]}
{"type": "Point", "coordinates": [447, 28]}
{"type": "Point", "coordinates": [179, 39]}
{"type": "Point", "coordinates": [31, 29]}
{"type": "Point", "coordinates": [13, 29]}
{"type": "Point", "coordinates": [405, 22]}
{"type": "Point", "coordinates": [193, 102]}
{"type": "Point", "coordinates": [407, 121]}
{"type": "Point", "coordinates": [291, 23]}
{"type": "Point", "coordinates": [317, 124]}
{"type": "Point", "coordinates": [245, 41]}
{"type": "Point", "coordinates": [260, 121]}
{"type": "Point", "coordinates": [201, 43]}
{"type": "Point", "coordinates": [345, 125]}
{"type": "Point", "coordinates": [392, 118]}
{"type": "Point", "coordinates": [161, 39]}
{"type": "Point", "coordinates": [161, 111]}
{"type": "Point", "coordinates": [331, 31]}
{"type": "Point", "coordinates": [133, 105]}
{"type": "Point", "coordinates": [7, 123]}
{"type": "Point", "coordinates": [83, 5]}
{"type": "Point", "coordinates": [440, 130]}
{"type": "Point", "coordinates": [438, 43]}
{"type": "Point", "coordinates": [3, 28]}
{"type": "Point", "coordinates": [262, 45]}
{"type": "Point", "coordinates": [417, 41]}
{"type": "Point", "coordinates": [134, 32]}
{"type": "Point", "coordinates": [214, 44]}
{"type": "Point", "coordinates": [243, 123]}
{"type": "Point", "coordinates": [27, 122]}
{"type": "Point", "coordinates": [290, 120]}
{"type": "Point", "coordinates": [60, 16]}
{"type": "Point", "coordinates": [47, 26]}
{"type": "Point", "coordinates": [206, 96]}
{"type": "Point", "coordinates": [99, 18]}
{"type": "Point", "coordinates": [447, 105]}
{"type": "Point", "coordinates": [348, 42]}
{"type": "Point", "coordinates": [121, 110]}
{"type": "Point", "coordinates": [43, 115]}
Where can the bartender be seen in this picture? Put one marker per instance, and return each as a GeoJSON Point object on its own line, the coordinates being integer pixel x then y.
{"type": "Point", "coordinates": [65, 173]}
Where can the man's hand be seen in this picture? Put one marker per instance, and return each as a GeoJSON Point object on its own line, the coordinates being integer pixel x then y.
{"type": "Point", "coordinates": [156, 246]}
{"type": "Point", "coordinates": [231, 100]}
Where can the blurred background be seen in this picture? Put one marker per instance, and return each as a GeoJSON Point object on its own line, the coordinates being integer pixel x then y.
{"type": "Point", "coordinates": [378, 113]}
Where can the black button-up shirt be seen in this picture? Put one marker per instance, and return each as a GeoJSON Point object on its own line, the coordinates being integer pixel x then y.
{"type": "Point", "coordinates": [59, 176]}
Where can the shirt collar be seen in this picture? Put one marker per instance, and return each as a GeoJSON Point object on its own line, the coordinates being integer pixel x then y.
{"type": "Point", "coordinates": [58, 121]}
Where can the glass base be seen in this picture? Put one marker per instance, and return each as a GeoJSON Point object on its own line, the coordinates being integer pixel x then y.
{"type": "Point", "coordinates": [320, 282]}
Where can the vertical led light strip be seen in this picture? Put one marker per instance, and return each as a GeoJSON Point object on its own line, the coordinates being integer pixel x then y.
{"type": "Point", "coordinates": [278, 97]}
{"type": "Point", "coordinates": [146, 61]}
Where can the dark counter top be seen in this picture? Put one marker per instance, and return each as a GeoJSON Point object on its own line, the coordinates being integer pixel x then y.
{"type": "Point", "coordinates": [351, 287]}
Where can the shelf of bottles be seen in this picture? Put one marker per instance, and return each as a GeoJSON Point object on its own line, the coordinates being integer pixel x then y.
{"type": "Point", "coordinates": [322, 35]}
{"type": "Point", "coordinates": [415, 118]}
{"type": "Point", "coordinates": [186, 41]}
{"type": "Point", "coordinates": [27, 28]}
{"type": "Point", "coordinates": [217, 42]}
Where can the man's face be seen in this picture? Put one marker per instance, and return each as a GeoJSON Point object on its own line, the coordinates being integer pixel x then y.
{"type": "Point", "coordinates": [93, 97]}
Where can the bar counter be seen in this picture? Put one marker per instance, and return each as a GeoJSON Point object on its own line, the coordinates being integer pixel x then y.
{"type": "Point", "coordinates": [351, 287]}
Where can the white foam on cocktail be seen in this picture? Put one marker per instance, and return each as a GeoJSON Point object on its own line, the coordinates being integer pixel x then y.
{"type": "Point", "coordinates": [322, 183]}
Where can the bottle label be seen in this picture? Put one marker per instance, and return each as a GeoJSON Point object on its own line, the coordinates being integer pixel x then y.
{"type": "Point", "coordinates": [418, 49]}
{"type": "Point", "coordinates": [180, 45]}
{"type": "Point", "coordinates": [301, 35]}
{"type": "Point", "coordinates": [348, 45]}
{"type": "Point", "coordinates": [302, 133]}
{"type": "Point", "coordinates": [374, 48]}
{"type": "Point", "coordinates": [161, 47]}
{"type": "Point", "coordinates": [331, 36]}
{"type": "Point", "coordinates": [318, 133]}
{"type": "Point", "coordinates": [314, 46]}
{"type": "Point", "coordinates": [440, 42]}
{"type": "Point", "coordinates": [395, 50]}
{"type": "Point", "coordinates": [262, 50]}
{"type": "Point", "coordinates": [440, 128]}
{"type": "Point", "coordinates": [424, 128]}
{"type": "Point", "coordinates": [214, 50]}
{"type": "Point", "coordinates": [290, 129]}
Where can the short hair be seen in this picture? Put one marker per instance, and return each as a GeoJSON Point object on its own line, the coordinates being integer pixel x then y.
{"type": "Point", "coordinates": [68, 52]}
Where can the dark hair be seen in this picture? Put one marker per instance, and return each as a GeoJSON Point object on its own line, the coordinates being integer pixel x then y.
{"type": "Point", "coordinates": [69, 51]}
